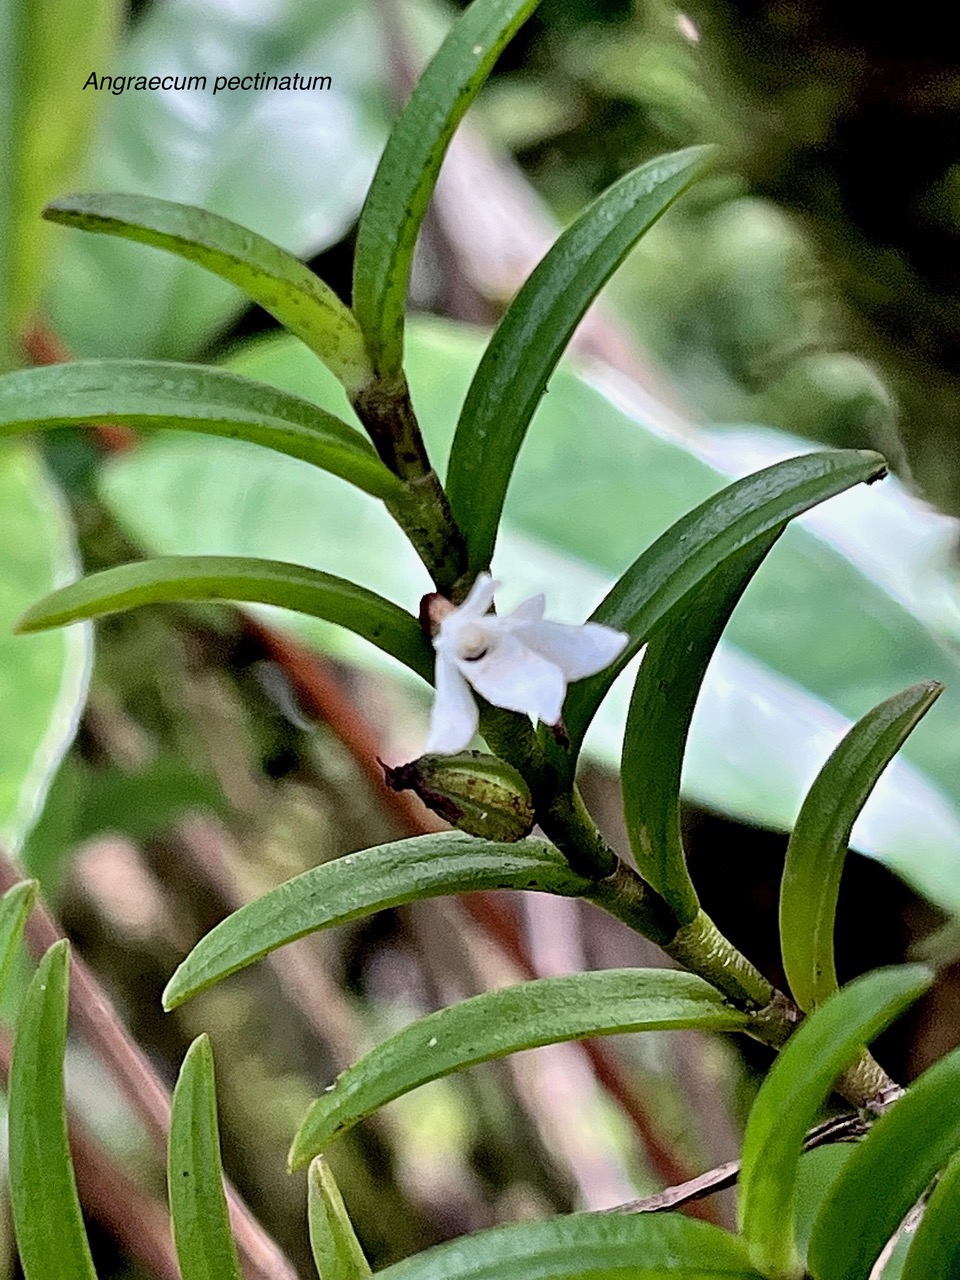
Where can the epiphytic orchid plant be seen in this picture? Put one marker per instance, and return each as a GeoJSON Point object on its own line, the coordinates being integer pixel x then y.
{"type": "Point", "coordinates": [531, 688]}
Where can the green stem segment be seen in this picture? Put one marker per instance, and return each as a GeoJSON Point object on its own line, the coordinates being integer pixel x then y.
{"type": "Point", "coordinates": [866, 1084]}
{"type": "Point", "coordinates": [388, 417]}
{"type": "Point", "coordinates": [570, 827]}
{"type": "Point", "coordinates": [423, 513]}
{"type": "Point", "coordinates": [560, 810]}
{"type": "Point", "coordinates": [423, 510]}
{"type": "Point", "coordinates": [701, 946]}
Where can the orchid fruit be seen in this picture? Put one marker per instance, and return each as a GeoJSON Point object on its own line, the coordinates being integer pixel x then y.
{"type": "Point", "coordinates": [519, 662]}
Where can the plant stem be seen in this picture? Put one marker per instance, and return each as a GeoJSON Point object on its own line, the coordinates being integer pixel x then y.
{"type": "Point", "coordinates": [698, 946]}
{"type": "Point", "coordinates": [701, 946]}
{"type": "Point", "coordinates": [423, 512]}
{"type": "Point", "coordinates": [388, 417]}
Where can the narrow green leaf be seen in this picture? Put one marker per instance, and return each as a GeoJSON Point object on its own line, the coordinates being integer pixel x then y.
{"type": "Point", "coordinates": [664, 695]}
{"type": "Point", "coordinates": [43, 1192]}
{"type": "Point", "coordinates": [336, 1249]}
{"type": "Point", "coordinates": [361, 884]}
{"type": "Point", "coordinates": [532, 336]}
{"type": "Point", "coordinates": [585, 1246]}
{"type": "Point", "coordinates": [407, 173]}
{"type": "Point", "coordinates": [189, 397]}
{"type": "Point", "coordinates": [15, 905]}
{"type": "Point", "coordinates": [818, 845]}
{"type": "Point", "coordinates": [683, 558]}
{"type": "Point", "coordinates": [272, 277]}
{"type": "Point", "coordinates": [935, 1251]}
{"type": "Point", "coordinates": [887, 1174]}
{"type": "Point", "coordinates": [198, 1206]}
{"type": "Point", "coordinates": [544, 1011]}
{"type": "Point", "coordinates": [288, 586]}
{"type": "Point", "coordinates": [791, 1095]}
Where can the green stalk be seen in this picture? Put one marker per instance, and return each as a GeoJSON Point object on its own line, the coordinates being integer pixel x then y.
{"type": "Point", "coordinates": [423, 511]}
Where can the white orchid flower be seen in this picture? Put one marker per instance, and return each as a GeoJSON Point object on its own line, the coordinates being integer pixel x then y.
{"type": "Point", "coordinates": [519, 662]}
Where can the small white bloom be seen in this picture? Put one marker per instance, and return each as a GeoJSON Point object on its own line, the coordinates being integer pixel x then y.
{"type": "Point", "coordinates": [519, 662]}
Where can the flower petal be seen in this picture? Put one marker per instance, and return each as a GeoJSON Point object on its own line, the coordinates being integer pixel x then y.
{"type": "Point", "coordinates": [480, 596]}
{"type": "Point", "coordinates": [517, 679]}
{"type": "Point", "coordinates": [530, 611]}
{"type": "Point", "coordinates": [454, 718]}
{"type": "Point", "coordinates": [577, 651]}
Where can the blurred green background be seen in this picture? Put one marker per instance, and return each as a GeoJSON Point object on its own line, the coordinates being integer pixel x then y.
{"type": "Point", "coordinates": [808, 286]}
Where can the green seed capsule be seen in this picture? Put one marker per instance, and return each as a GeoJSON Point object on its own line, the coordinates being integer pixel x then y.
{"type": "Point", "coordinates": [474, 792]}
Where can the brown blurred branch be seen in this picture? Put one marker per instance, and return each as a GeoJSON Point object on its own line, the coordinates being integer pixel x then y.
{"type": "Point", "coordinates": [846, 1128]}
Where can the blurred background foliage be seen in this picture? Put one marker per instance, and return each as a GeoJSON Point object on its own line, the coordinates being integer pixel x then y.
{"type": "Point", "coordinates": [809, 284]}
{"type": "Point", "coordinates": [814, 284]}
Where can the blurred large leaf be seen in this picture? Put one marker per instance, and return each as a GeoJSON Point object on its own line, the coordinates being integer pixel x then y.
{"type": "Point", "coordinates": [44, 120]}
{"type": "Point", "coordinates": [292, 166]}
{"type": "Point", "coordinates": [585, 1246]}
{"type": "Point", "coordinates": [43, 679]}
{"type": "Point", "coordinates": [497, 1023]}
{"type": "Point", "coordinates": [857, 601]}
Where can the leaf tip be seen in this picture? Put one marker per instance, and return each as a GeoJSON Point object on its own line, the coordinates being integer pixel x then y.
{"type": "Point", "coordinates": [24, 892]}
{"type": "Point", "coordinates": [200, 1048]}
{"type": "Point", "coordinates": [55, 964]}
{"type": "Point", "coordinates": [65, 209]}
{"type": "Point", "coordinates": [37, 618]}
{"type": "Point", "coordinates": [302, 1151]}
{"type": "Point", "coordinates": [25, 626]}
{"type": "Point", "coordinates": [878, 463]}
{"type": "Point", "coordinates": [174, 993]}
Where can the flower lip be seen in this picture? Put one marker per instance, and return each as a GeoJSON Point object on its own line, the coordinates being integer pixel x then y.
{"type": "Point", "coordinates": [519, 662]}
{"type": "Point", "coordinates": [472, 642]}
